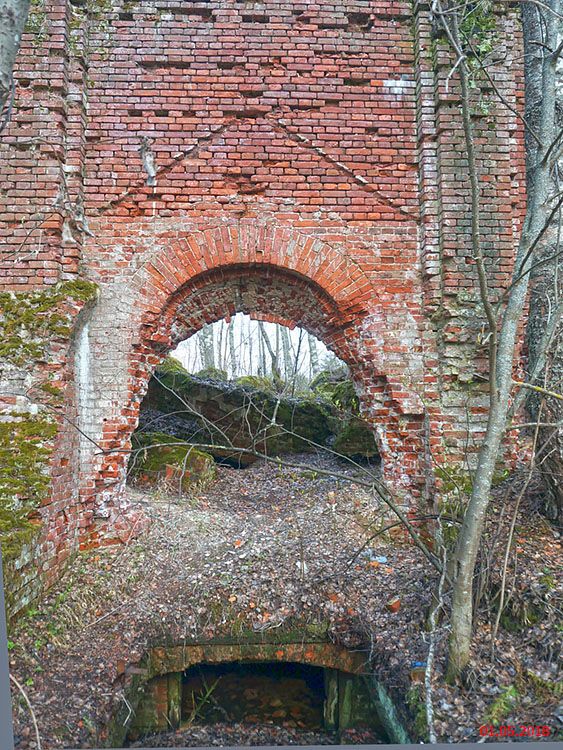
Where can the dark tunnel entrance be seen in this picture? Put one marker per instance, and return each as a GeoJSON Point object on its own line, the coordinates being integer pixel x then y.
{"type": "Point", "coordinates": [237, 700]}
{"type": "Point", "coordinates": [289, 694]}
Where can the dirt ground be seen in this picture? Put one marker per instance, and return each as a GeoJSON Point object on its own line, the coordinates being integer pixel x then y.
{"type": "Point", "coordinates": [264, 548]}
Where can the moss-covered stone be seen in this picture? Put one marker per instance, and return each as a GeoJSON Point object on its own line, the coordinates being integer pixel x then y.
{"type": "Point", "coordinates": [336, 387]}
{"type": "Point", "coordinates": [171, 365]}
{"type": "Point", "coordinates": [356, 440]}
{"type": "Point", "coordinates": [354, 436]}
{"type": "Point", "coordinates": [212, 373]}
{"type": "Point", "coordinates": [29, 320]}
{"type": "Point", "coordinates": [212, 412]}
{"type": "Point", "coordinates": [25, 450]}
{"type": "Point", "coordinates": [250, 415]}
{"type": "Point", "coordinates": [158, 458]}
{"type": "Point", "coordinates": [257, 382]}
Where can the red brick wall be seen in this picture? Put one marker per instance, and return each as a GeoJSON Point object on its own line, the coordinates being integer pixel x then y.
{"type": "Point", "coordinates": [310, 170]}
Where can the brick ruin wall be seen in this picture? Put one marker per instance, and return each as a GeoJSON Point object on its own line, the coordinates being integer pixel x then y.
{"type": "Point", "coordinates": [310, 170]}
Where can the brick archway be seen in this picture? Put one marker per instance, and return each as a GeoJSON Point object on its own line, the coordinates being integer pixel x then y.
{"type": "Point", "coordinates": [269, 272]}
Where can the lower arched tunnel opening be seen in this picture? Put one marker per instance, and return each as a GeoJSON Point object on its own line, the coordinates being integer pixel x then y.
{"type": "Point", "coordinates": [241, 701]}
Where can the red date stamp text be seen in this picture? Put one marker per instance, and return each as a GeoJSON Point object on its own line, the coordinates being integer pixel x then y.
{"type": "Point", "coordinates": [524, 730]}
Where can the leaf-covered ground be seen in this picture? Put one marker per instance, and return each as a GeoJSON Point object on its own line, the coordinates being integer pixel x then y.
{"type": "Point", "coordinates": [267, 548]}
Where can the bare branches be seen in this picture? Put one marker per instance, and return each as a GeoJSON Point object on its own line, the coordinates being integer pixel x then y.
{"type": "Point", "coordinates": [539, 389]}
{"type": "Point", "coordinates": [451, 27]}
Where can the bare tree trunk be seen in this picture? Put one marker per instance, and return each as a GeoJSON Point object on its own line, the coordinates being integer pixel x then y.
{"type": "Point", "coordinates": [296, 365]}
{"type": "Point", "coordinates": [220, 360]}
{"type": "Point", "coordinates": [232, 349]}
{"type": "Point", "coordinates": [275, 368]}
{"type": "Point", "coordinates": [286, 349]}
{"type": "Point", "coordinates": [13, 15]}
{"type": "Point", "coordinates": [207, 346]}
{"type": "Point", "coordinates": [313, 355]}
{"type": "Point", "coordinates": [262, 369]}
{"type": "Point", "coordinates": [502, 356]}
{"type": "Point", "coordinates": [545, 329]}
{"type": "Point", "coordinates": [250, 345]}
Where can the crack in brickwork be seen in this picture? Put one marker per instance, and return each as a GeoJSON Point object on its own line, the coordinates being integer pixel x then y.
{"type": "Point", "coordinates": [191, 151]}
{"type": "Point", "coordinates": [365, 184]}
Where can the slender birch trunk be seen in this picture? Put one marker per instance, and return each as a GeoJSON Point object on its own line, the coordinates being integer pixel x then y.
{"type": "Point", "coordinates": [286, 350]}
{"type": "Point", "coordinates": [313, 355]}
{"type": "Point", "coordinates": [276, 375]}
{"type": "Point", "coordinates": [232, 349]}
{"type": "Point", "coordinates": [501, 385]}
{"type": "Point", "coordinates": [207, 346]}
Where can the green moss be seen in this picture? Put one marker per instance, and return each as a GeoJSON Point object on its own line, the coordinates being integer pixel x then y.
{"type": "Point", "coordinates": [500, 475]}
{"type": "Point", "coordinates": [548, 580]}
{"type": "Point", "coordinates": [459, 481]}
{"type": "Point", "coordinates": [28, 320]}
{"type": "Point", "coordinates": [24, 454]}
{"type": "Point", "coordinates": [455, 479]}
{"type": "Point", "coordinates": [98, 8]}
{"type": "Point", "coordinates": [172, 365]}
{"type": "Point", "coordinates": [479, 25]}
{"type": "Point", "coordinates": [244, 412]}
{"type": "Point", "coordinates": [155, 451]}
{"type": "Point", "coordinates": [256, 382]}
{"type": "Point", "coordinates": [212, 373]}
{"type": "Point", "coordinates": [37, 21]}
{"type": "Point", "coordinates": [545, 690]}
{"type": "Point", "coordinates": [520, 615]}
{"type": "Point", "coordinates": [415, 702]}
{"type": "Point", "coordinates": [52, 390]}
{"type": "Point", "coordinates": [356, 439]}
{"type": "Point", "coordinates": [338, 389]}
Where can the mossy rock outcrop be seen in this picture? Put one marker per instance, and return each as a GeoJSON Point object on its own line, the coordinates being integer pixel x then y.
{"type": "Point", "coordinates": [160, 459]}
{"type": "Point", "coordinates": [356, 440]}
{"type": "Point", "coordinates": [336, 387]}
{"type": "Point", "coordinates": [233, 420]}
{"type": "Point", "coordinates": [209, 373]}
{"type": "Point", "coordinates": [258, 382]}
{"type": "Point", "coordinates": [242, 415]}
{"type": "Point", "coordinates": [354, 436]}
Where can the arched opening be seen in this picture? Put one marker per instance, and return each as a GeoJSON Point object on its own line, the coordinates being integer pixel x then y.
{"type": "Point", "coordinates": [314, 704]}
{"type": "Point", "coordinates": [244, 390]}
{"type": "Point", "coordinates": [308, 692]}
{"type": "Point", "coordinates": [264, 292]}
